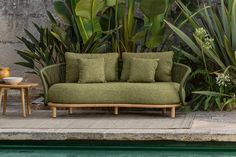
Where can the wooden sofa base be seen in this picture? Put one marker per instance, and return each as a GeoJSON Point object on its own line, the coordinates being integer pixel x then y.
{"type": "Point", "coordinates": [116, 107]}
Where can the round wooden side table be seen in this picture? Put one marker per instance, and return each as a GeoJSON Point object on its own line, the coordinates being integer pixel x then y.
{"type": "Point", "coordinates": [24, 93]}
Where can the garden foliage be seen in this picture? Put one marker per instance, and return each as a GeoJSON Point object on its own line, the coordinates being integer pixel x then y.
{"type": "Point", "coordinates": [93, 26]}
{"type": "Point", "coordinates": [213, 45]}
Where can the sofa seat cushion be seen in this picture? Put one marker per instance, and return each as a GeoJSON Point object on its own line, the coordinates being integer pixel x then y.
{"type": "Point", "coordinates": [115, 93]}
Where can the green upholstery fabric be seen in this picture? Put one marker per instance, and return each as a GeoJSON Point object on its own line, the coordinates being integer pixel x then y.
{"type": "Point", "coordinates": [142, 70]}
{"type": "Point", "coordinates": [164, 68]}
{"type": "Point", "coordinates": [180, 73]}
{"type": "Point", "coordinates": [55, 74]}
{"type": "Point", "coordinates": [91, 70]}
{"type": "Point", "coordinates": [115, 93]}
{"type": "Point", "coordinates": [72, 69]}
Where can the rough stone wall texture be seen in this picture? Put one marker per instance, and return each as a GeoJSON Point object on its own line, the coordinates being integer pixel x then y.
{"type": "Point", "coordinates": [15, 16]}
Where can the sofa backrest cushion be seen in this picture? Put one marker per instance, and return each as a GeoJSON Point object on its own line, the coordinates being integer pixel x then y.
{"type": "Point", "coordinates": [91, 70]}
{"type": "Point", "coordinates": [72, 67]}
{"type": "Point", "coordinates": [164, 68]}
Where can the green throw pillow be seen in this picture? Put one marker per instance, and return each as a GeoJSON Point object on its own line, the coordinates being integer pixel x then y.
{"type": "Point", "coordinates": [91, 70]}
{"type": "Point", "coordinates": [164, 69]}
{"type": "Point", "coordinates": [142, 70]}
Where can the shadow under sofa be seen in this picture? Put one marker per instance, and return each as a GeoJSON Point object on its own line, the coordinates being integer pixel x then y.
{"type": "Point", "coordinates": [61, 93]}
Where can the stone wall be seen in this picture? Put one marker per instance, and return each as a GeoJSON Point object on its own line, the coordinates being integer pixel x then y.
{"type": "Point", "coordinates": [15, 16]}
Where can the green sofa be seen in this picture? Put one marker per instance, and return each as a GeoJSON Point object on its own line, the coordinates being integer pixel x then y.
{"type": "Point", "coordinates": [62, 89]}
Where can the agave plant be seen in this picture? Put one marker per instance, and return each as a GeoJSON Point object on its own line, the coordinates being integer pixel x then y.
{"type": "Point", "coordinates": [41, 51]}
{"type": "Point", "coordinates": [50, 47]}
{"type": "Point", "coordinates": [213, 43]}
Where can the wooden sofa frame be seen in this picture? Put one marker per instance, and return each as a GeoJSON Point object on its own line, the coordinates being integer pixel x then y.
{"type": "Point", "coordinates": [116, 107]}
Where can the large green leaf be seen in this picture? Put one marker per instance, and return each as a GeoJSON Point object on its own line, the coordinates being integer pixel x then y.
{"type": "Point", "coordinates": [186, 54]}
{"type": "Point", "coordinates": [87, 20]}
{"type": "Point", "coordinates": [186, 39]}
{"type": "Point", "coordinates": [89, 8]}
{"type": "Point", "coordinates": [188, 14]}
{"type": "Point", "coordinates": [52, 19]}
{"type": "Point", "coordinates": [110, 3]}
{"type": "Point", "coordinates": [27, 43]}
{"type": "Point", "coordinates": [140, 35]}
{"type": "Point", "coordinates": [156, 31]}
{"type": "Point", "coordinates": [225, 19]}
{"type": "Point", "coordinates": [152, 8]}
{"type": "Point", "coordinates": [211, 93]}
{"type": "Point", "coordinates": [31, 37]}
{"type": "Point", "coordinates": [83, 29]}
{"type": "Point", "coordinates": [229, 50]}
{"type": "Point", "coordinates": [63, 11]}
{"type": "Point", "coordinates": [26, 64]}
{"type": "Point", "coordinates": [233, 27]}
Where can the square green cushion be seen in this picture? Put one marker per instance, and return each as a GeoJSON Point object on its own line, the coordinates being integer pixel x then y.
{"type": "Point", "coordinates": [72, 67]}
{"type": "Point", "coordinates": [164, 68]}
{"type": "Point", "coordinates": [142, 70]}
{"type": "Point", "coordinates": [91, 70]}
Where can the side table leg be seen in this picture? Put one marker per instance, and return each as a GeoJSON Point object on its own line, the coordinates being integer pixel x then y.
{"type": "Point", "coordinates": [1, 95]}
{"type": "Point", "coordinates": [5, 102]}
{"type": "Point", "coordinates": [22, 93]}
{"type": "Point", "coordinates": [28, 101]}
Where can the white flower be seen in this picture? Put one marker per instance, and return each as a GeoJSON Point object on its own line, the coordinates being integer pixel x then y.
{"type": "Point", "coordinates": [223, 79]}
{"type": "Point", "coordinates": [200, 32]}
{"type": "Point", "coordinates": [202, 35]}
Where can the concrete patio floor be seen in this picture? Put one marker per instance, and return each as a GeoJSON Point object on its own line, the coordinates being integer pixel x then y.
{"type": "Point", "coordinates": [207, 126]}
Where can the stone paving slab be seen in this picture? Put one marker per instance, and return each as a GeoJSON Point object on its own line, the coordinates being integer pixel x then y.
{"type": "Point", "coordinates": [87, 119]}
{"type": "Point", "coordinates": [207, 126]}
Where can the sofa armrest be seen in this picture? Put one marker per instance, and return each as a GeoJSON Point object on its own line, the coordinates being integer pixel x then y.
{"type": "Point", "coordinates": [180, 73]}
{"type": "Point", "coordinates": [50, 75]}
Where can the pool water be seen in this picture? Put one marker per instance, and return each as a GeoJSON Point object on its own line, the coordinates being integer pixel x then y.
{"type": "Point", "coordinates": [120, 150]}
{"type": "Point", "coordinates": [113, 153]}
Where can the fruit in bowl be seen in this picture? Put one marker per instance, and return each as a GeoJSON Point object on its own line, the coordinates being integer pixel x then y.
{"type": "Point", "coordinates": [12, 80]}
{"type": "Point", "coordinates": [4, 72]}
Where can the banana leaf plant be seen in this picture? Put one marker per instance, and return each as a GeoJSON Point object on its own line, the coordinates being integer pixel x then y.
{"type": "Point", "coordinates": [152, 33]}
{"type": "Point", "coordinates": [82, 16]}
{"type": "Point", "coordinates": [133, 32]}
{"type": "Point", "coordinates": [212, 45]}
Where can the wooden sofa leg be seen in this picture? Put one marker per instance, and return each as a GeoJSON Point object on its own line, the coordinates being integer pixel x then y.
{"type": "Point", "coordinates": [54, 112]}
{"type": "Point", "coordinates": [116, 111]}
{"type": "Point", "coordinates": [70, 110]}
{"type": "Point", "coordinates": [163, 111]}
{"type": "Point", "coordinates": [173, 112]}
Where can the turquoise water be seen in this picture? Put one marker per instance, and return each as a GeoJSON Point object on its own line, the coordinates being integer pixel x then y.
{"type": "Point", "coordinates": [112, 153]}
{"type": "Point", "coordinates": [121, 150]}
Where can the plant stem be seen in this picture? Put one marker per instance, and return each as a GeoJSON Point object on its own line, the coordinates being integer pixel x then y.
{"type": "Point", "coordinates": [117, 49]}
